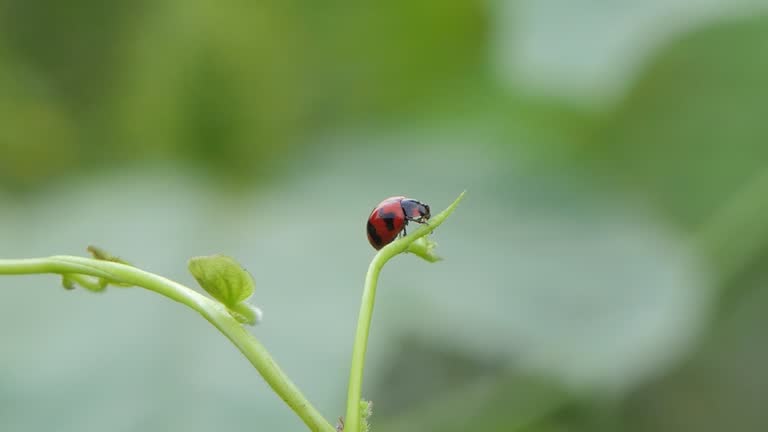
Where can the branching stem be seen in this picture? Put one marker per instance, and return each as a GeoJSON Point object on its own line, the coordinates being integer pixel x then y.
{"type": "Point", "coordinates": [77, 270]}
{"type": "Point", "coordinates": [211, 310]}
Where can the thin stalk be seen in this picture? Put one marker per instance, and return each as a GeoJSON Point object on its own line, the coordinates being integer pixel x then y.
{"type": "Point", "coordinates": [352, 421]}
{"type": "Point", "coordinates": [211, 310]}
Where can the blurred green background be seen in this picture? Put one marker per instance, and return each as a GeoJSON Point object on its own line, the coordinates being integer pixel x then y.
{"type": "Point", "coordinates": [606, 271]}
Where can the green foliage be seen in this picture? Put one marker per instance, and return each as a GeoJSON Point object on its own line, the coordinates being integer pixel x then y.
{"type": "Point", "coordinates": [222, 275]}
{"type": "Point", "coordinates": [692, 122]}
{"type": "Point", "coordinates": [226, 281]}
{"type": "Point", "coordinates": [242, 90]}
{"type": "Point", "coordinates": [231, 90]}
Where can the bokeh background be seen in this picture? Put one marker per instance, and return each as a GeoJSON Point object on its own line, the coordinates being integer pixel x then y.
{"type": "Point", "coordinates": [605, 272]}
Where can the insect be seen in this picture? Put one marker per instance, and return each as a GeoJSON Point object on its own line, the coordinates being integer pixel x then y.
{"type": "Point", "coordinates": [390, 218]}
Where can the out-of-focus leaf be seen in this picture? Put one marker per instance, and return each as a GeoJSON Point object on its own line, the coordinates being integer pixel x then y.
{"type": "Point", "coordinates": [389, 57]}
{"type": "Point", "coordinates": [219, 85]}
{"type": "Point", "coordinates": [693, 130]}
{"type": "Point", "coordinates": [692, 138]}
{"type": "Point", "coordinates": [69, 47]}
{"type": "Point", "coordinates": [493, 403]}
{"type": "Point", "coordinates": [723, 387]}
{"type": "Point", "coordinates": [38, 137]}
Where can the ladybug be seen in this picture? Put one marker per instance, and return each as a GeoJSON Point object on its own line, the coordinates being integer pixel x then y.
{"type": "Point", "coordinates": [390, 218]}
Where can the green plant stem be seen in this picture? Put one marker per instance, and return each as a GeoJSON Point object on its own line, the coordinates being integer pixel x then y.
{"type": "Point", "coordinates": [211, 310]}
{"type": "Point", "coordinates": [354, 390]}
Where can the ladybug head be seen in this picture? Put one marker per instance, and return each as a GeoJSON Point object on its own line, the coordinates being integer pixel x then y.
{"type": "Point", "coordinates": [415, 211]}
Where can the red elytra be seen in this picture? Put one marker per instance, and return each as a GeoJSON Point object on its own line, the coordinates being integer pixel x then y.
{"type": "Point", "coordinates": [390, 218]}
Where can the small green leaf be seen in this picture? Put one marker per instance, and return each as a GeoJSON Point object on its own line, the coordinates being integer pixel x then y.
{"type": "Point", "coordinates": [424, 248]}
{"type": "Point", "coordinates": [223, 278]}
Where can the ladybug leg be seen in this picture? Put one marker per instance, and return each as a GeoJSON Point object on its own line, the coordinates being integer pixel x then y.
{"type": "Point", "coordinates": [421, 221]}
{"type": "Point", "coordinates": [418, 220]}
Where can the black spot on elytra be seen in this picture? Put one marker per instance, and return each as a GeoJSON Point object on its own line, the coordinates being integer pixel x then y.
{"type": "Point", "coordinates": [373, 235]}
{"type": "Point", "coordinates": [388, 218]}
